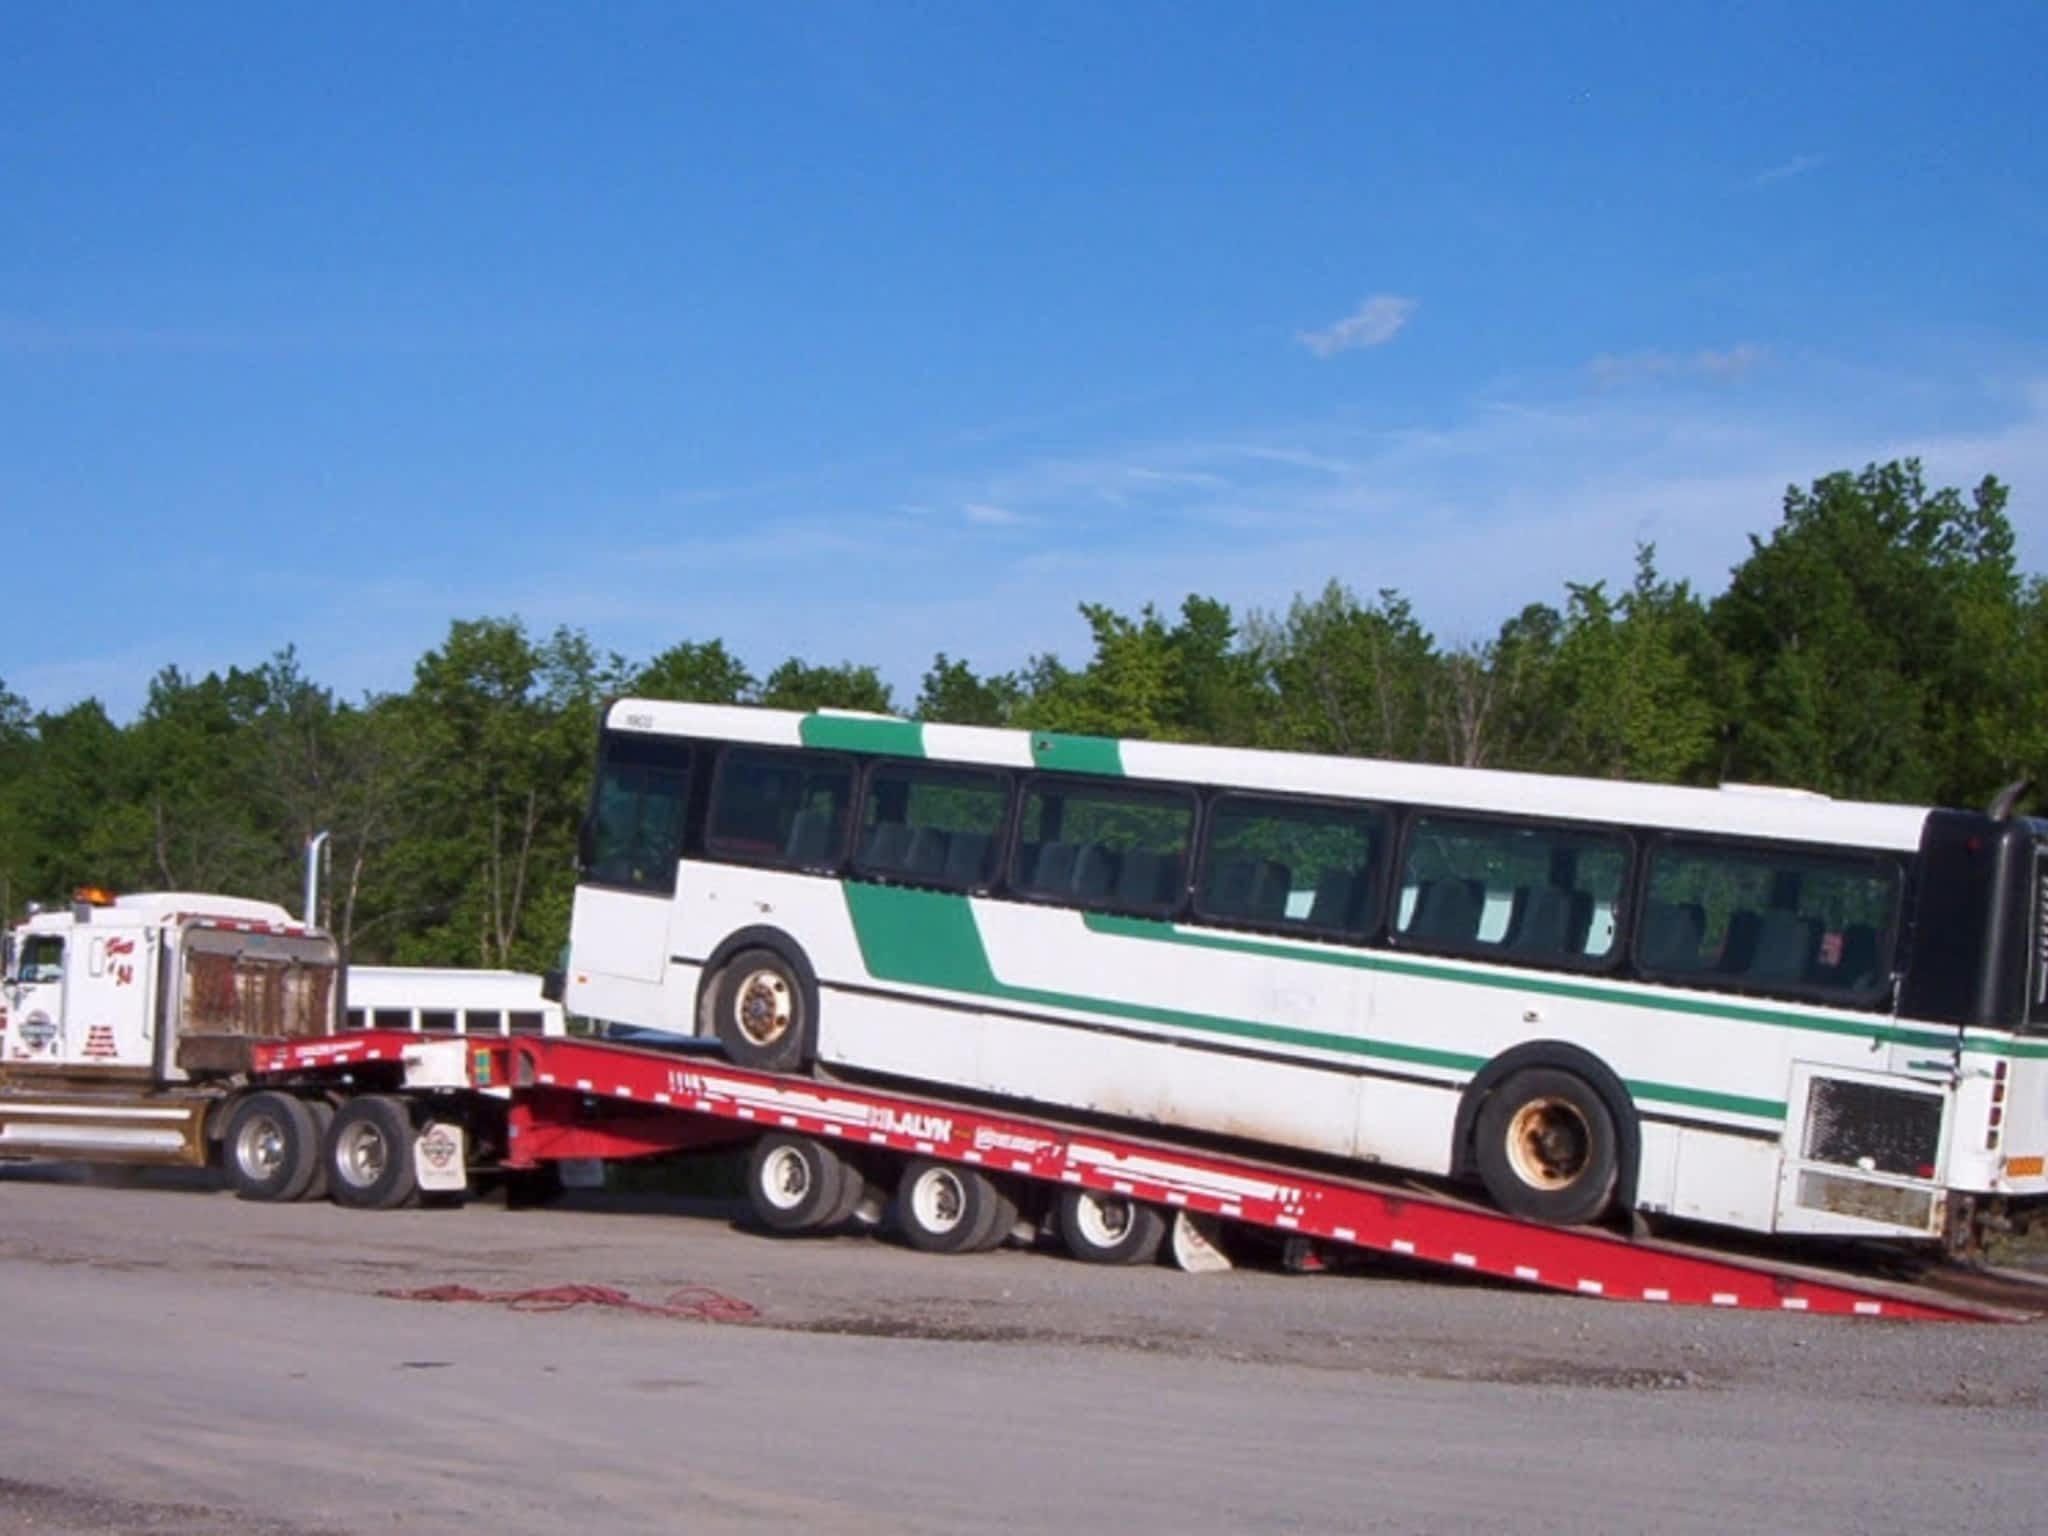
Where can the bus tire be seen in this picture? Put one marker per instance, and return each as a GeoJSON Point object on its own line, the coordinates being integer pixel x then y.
{"type": "Point", "coordinates": [943, 1208]}
{"type": "Point", "coordinates": [798, 1184]}
{"type": "Point", "coordinates": [369, 1154]}
{"type": "Point", "coordinates": [1109, 1229]}
{"type": "Point", "coordinates": [1546, 1148]}
{"type": "Point", "coordinates": [271, 1149]}
{"type": "Point", "coordinates": [758, 1012]}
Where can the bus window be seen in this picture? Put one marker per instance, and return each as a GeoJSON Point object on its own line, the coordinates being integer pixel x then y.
{"type": "Point", "coordinates": [932, 826]}
{"type": "Point", "coordinates": [1526, 895]}
{"type": "Point", "coordinates": [391, 1018]}
{"type": "Point", "coordinates": [1117, 848]}
{"type": "Point", "coordinates": [636, 820]}
{"type": "Point", "coordinates": [439, 1021]}
{"type": "Point", "coordinates": [521, 1021]}
{"type": "Point", "coordinates": [787, 808]}
{"type": "Point", "coordinates": [1292, 864]}
{"type": "Point", "coordinates": [483, 1021]}
{"type": "Point", "coordinates": [1777, 921]}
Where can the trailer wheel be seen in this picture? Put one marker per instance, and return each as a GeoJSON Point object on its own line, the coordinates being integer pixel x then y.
{"type": "Point", "coordinates": [941, 1208]}
{"type": "Point", "coordinates": [271, 1149]}
{"type": "Point", "coordinates": [759, 1012]}
{"type": "Point", "coordinates": [1109, 1229]}
{"type": "Point", "coordinates": [797, 1184]}
{"type": "Point", "coordinates": [369, 1154]}
{"type": "Point", "coordinates": [1546, 1148]}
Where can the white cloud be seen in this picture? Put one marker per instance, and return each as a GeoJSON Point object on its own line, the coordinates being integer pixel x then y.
{"type": "Point", "coordinates": [1373, 324]}
{"type": "Point", "coordinates": [1798, 165]}
{"type": "Point", "coordinates": [986, 514]}
{"type": "Point", "coordinates": [1727, 364]}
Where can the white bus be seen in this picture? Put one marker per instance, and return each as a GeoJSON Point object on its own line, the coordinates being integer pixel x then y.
{"type": "Point", "coordinates": [449, 1000]}
{"type": "Point", "coordinates": [1754, 1007]}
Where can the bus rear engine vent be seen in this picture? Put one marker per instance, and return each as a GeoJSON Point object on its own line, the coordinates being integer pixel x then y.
{"type": "Point", "coordinates": [1872, 1128]}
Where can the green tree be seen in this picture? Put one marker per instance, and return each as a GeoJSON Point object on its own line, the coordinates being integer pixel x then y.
{"type": "Point", "coordinates": [1345, 677]}
{"type": "Point", "coordinates": [1629, 692]}
{"type": "Point", "coordinates": [799, 685]}
{"type": "Point", "coordinates": [952, 694]}
{"type": "Point", "coordinates": [1867, 633]}
{"type": "Point", "coordinates": [694, 673]}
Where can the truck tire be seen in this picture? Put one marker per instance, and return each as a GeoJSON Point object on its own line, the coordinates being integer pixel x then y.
{"type": "Point", "coordinates": [322, 1111]}
{"type": "Point", "coordinates": [758, 1012]}
{"type": "Point", "coordinates": [369, 1154]}
{"type": "Point", "coordinates": [1546, 1148]}
{"type": "Point", "coordinates": [1109, 1229]}
{"type": "Point", "coordinates": [271, 1148]}
{"type": "Point", "coordinates": [943, 1208]}
{"type": "Point", "coordinates": [798, 1184]}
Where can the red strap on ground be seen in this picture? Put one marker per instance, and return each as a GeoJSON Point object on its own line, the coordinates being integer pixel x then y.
{"type": "Point", "coordinates": [698, 1302]}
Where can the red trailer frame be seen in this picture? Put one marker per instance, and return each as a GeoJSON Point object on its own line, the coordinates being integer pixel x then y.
{"type": "Point", "coordinates": [570, 1098]}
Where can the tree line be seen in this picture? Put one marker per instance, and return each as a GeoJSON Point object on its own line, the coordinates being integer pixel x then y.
{"type": "Point", "coordinates": [1880, 643]}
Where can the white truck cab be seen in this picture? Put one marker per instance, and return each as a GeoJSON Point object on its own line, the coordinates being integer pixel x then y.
{"type": "Point", "coordinates": [124, 1020]}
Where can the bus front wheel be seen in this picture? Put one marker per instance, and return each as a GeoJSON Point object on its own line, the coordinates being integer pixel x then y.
{"type": "Point", "coordinates": [1546, 1148]}
{"type": "Point", "coordinates": [759, 1018]}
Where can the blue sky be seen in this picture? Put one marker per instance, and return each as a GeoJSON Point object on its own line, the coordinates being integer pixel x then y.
{"type": "Point", "coordinates": [864, 332]}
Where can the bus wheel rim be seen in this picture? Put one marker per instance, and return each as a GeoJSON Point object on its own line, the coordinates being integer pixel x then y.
{"type": "Point", "coordinates": [939, 1200]}
{"type": "Point", "coordinates": [1549, 1143]}
{"type": "Point", "coordinates": [1104, 1221]}
{"type": "Point", "coordinates": [764, 1007]}
{"type": "Point", "coordinates": [785, 1178]}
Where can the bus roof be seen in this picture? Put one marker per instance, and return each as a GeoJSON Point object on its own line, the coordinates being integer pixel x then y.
{"type": "Point", "coordinates": [1758, 811]}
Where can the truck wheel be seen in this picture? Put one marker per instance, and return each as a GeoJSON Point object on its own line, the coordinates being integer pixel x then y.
{"type": "Point", "coordinates": [271, 1149]}
{"type": "Point", "coordinates": [1109, 1229]}
{"type": "Point", "coordinates": [796, 1184]}
{"type": "Point", "coordinates": [759, 1012]}
{"type": "Point", "coordinates": [369, 1154]}
{"type": "Point", "coordinates": [1546, 1148]}
{"type": "Point", "coordinates": [322, 1111]}
{"type": "Point", "coordinates": [944, 1209]}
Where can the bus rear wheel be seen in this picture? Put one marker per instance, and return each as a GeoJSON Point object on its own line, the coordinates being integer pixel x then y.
{"type": "Point", "coordinates": [941, 1208]}
{"type": "Point", "coordinates": [759, 1012]}
{"type": "Point", "coordinates": [1109, 1229]}
{"type": "Point", "coordinates": [1546, 1148]}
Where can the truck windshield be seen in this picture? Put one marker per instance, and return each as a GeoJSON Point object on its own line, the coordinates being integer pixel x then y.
{"type": "Point", "coordinates": [42, 958]}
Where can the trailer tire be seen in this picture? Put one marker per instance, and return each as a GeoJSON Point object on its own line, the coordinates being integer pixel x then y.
{"type": "Point", "coordinates": [1109, 1229]}
{"type": "Point", "coordinates": [798, 1184]}
{"type": "Point", "coordinates": [1546, 1148]}
{"type": "Point", "coordinates": [758, 1014]}
{"type": "Point", "coordinates": [369, 1154]}
{"type": "Point", "coordinates": [271, 1148]}
{"type": "Point", "coordinates": [944, 1208]}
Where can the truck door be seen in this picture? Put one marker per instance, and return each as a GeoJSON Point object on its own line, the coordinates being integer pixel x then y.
{"type": "Point", "coordinates": [35, 999]}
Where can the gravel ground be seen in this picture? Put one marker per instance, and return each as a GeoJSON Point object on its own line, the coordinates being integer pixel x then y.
{"type": "Point", "coordinates": [1454, 1390]}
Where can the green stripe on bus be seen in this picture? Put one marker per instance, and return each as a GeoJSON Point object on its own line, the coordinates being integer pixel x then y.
{"type": "Point", "coordinates": [1077, 754]}
{"type": "Point", "coordinates": [852, 733]}
{"type": "Point", "coordinates": [930, 939]}
{"type": "Point", "coordinates": [1649, 999]}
